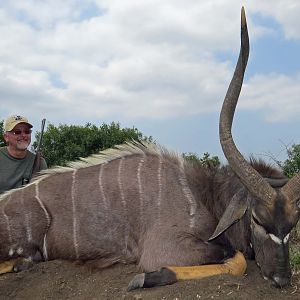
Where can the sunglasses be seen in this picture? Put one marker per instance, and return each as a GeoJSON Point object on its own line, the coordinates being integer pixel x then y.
{"type": "Point", "coordinates": [19, 131]}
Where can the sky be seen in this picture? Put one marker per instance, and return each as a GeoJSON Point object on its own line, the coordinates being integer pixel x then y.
{"type": "Point", "coordinates": [160, 66]}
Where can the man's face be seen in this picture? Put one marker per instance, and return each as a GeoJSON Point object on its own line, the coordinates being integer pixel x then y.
{"type": "Point", "coordinates": [19, 138]}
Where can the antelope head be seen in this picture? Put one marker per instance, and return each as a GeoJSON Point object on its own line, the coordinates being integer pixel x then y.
{"type": "Point", "coordinates": [274, 211]}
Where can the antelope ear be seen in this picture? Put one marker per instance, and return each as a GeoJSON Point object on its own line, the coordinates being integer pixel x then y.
{"type": "Point", "coordinates": [233, 213]}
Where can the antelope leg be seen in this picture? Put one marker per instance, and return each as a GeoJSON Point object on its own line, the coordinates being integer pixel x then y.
{"type": "Point", "coordinates": [236, 266]}
{"type": "Point", "coordinates": [23, 264]}
{"type": "Point", "coordinates": [7, 266]}
{"type": "Point", "coordinates": [16, 265]}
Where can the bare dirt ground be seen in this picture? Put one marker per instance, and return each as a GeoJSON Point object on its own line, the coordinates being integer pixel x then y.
{"type": "Point", "coordinates": [65, 280]}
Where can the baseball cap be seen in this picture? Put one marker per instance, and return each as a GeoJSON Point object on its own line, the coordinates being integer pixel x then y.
{"type": "Point", "coordinates": [14, 120]}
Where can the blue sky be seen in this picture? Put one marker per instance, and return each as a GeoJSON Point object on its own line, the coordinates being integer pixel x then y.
{"type": "Point", "coordinates": [161, 66]}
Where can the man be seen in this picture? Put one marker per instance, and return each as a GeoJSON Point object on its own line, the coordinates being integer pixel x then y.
{"type": "Point", "coordinates": [16, 162]}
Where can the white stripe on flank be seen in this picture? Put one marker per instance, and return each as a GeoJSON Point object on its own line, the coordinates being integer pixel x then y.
{"type": "Point", "coordinates": [7, 221]}
{"type": "Point", "coordinates": [142, 160]}
{"type": "Point", "coordinates": [121, 185]}
{"type": "Point", "coordinates": [28, 228]}
{"type": "Point", "coordinates": [27, 217]}
{"type": "Point", "coordinates": [104, 200]}
{"type": "Point", "coordinates": [188, 194]}
{"type": "Point", "coordinates": [102, 188]}
{"type": "Point", "coordinates": [37, 197]}
{"type": "Point", "coordinates": [159, 179]}
{"type": "Point", "coordinates": [73, 192]}
{"type": "Point", "coordinates": [124, 204]}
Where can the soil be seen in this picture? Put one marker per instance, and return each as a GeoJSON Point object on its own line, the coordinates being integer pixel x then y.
{"type": "Point", "coordinates": [65, 280]}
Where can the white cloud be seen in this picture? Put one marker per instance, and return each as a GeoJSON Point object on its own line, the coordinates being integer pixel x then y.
{"type": "Point", "coordinates": [285, 12]}
{"type": "Point", "coordinates": [135, 59]}
{"type": "Point", "coordinates": [276, 94]}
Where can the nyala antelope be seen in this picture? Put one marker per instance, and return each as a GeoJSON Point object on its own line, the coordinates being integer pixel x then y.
{"type": "Point", "coordinates": [139, 203]}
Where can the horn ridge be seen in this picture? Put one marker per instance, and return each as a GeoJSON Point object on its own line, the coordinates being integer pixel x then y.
{"type": "Point", "coordinates": [292, 189]}
{"type": "Point", "coordinates": [247, 174]}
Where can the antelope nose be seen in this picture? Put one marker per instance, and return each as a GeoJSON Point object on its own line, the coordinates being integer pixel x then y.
{"type": "Point", "coordinates": [281, 281]}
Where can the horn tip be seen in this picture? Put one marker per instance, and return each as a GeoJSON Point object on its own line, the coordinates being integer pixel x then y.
{"type": "Point", "coordinates": [243, 17]}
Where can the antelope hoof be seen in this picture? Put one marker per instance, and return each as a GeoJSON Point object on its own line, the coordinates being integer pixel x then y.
{"type": "Point", "coordinates": [137, 282]}
{"type": "Point", "coordinates": [22, 265]}
{"type": "Point", "coordinates": [161, 277]}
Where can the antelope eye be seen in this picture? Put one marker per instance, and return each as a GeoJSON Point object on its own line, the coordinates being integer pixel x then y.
{"type": "Point", "coordinates": [258, 225]}
{"type": "Point", "coordinates": [256, 220]}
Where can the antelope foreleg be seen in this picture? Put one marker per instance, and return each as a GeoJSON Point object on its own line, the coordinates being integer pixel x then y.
{"type": "Point", "coordinates": [8, 266]}
{"type": "Point", "coordinates": [16, 265]}
{"type": "Point", "coordinates": [236, 266]}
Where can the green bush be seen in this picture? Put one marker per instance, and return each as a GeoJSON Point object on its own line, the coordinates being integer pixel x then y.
{"type": "Point", "coordinates": [291, 166]}
{"type": "Point", "coordinates": [206, 160]}
{"type": "Point", "coordinates": [66, 143]}
{"type": "Point", "coordinates": [295, 257]}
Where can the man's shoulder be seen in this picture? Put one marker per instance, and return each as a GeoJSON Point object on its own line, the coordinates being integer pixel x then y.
{"type": "Point", "coordinates": [3, 151]}
{"type": "Point", "coordinates": [30, 157]}
{"type": "Point", "coordinates": [30, 154]}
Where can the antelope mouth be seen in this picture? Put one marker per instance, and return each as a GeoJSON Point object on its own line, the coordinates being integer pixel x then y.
{"type": "Point", "coordinates": [278, 281]}
{"type": "Point", "coordinates": [281, 282]}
